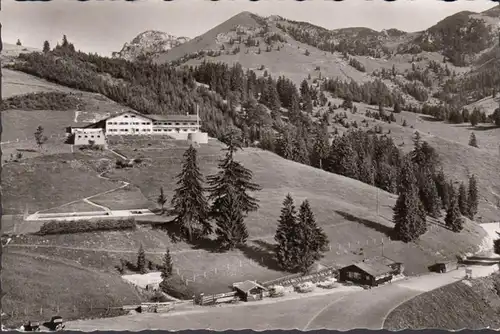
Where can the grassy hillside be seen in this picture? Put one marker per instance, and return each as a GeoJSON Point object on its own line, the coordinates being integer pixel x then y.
{"type": "Point", "coordinates": [463, 305]}
{"type": "Point", "coordinates": [37, 287]}
{"type": "Point", "coordinates": [346, 208]}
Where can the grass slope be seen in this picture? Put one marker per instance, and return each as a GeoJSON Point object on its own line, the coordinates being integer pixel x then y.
{"type": "Point", "coordinates": [344, 207]}
{"type": "Point", "coordinates": [49, 181]}
{"type": "Point", "coordinates": [38, 287]}
{"type": "Point", "coordinates": [474, 305]}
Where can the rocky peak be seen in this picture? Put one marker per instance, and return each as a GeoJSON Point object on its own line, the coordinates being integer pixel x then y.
{"type": "Point", "coordinates": [149, 43]}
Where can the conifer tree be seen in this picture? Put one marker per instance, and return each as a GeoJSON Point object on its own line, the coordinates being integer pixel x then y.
{"type": "Point", "coordinates": [40, 137]}
{"type": "Point", "coordinates": [18, 43]}
{"type": "Point", "coordinates": [141, 260]}
{"type": "Point", "coordinates": [228, 190]}
{"type": "Point", "coordinates": [473, 140]}
{"type": "Point", "coordinates": [472, 199]}
{"type": "Point", "coordinates": [167, 266]}
{"type": "Point", "coordinates": [442, 188]}
{"type": "Point", "coordinates": [313, 240]}
{"type": "Point", "coordinates": [428, 192]}
{"type": "Point", "coordinates": [409, 214]}
{"type": "Point", "coordinates": [321, 147]}
{"type": "Point", "coordinates": [189, 203]}
{"type": "Point", "coordinates": [161, 200]}
{"type": "Point", "coordinates": [453, 218]}
{"type": "Point", "coordinates": [462, 199]}
{"type": "Point", "coordinates": [287, 236]}
{"type": "Point", "coordinates": [46, 47]}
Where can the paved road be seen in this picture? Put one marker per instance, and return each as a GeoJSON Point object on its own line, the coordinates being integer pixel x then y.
{"type": "Point", "coordinates": [342, 310]}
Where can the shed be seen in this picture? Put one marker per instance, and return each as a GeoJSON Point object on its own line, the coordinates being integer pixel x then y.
{"type": "Point", "coordinates": [444, 267]}
{"type": "Point", "coordinates": [372, 272]}
{"type": "Point", "coordinates": [249, 290]}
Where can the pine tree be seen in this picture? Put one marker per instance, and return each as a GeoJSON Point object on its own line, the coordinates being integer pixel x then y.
{"type": "Point", "coordinates": [321, 147]}
{"type": "Point", "coordinates": [189, 203]}
{"type": "Point", "coordinates": [167, 266]}
{"type": "Point", "coordinates": [428, 192]}
{"type": "Point", "coordinates": [40, 138]}
{"type": "Point", "coordinates": [229, 192]}
{"type": "Point", "coordinates": [287, 235]}
{"type": "Point", "coordinates": [472, 199]}
{"type": "Point", "coordinates": [409, 214]}
{"type": "Point", "coordinates": [18, 43]}
{"type": "Point", "coordinates": [46, 47]}
{"type": "Point", "coordinates": [161, 200]}
{"type": "Point", "coordinates": [442, 188]}
{"type": "Point", "coordinates": [231, 230]}
{"type": "Point", "coordinates": [313, 240]}
{"type": "Point", "coordinates": [462, 199]}
{"type": "Point", "coordinates": [141, 260]}
{"type": "Point", "coordinates": [232, 174]}
{"type": "Point", "coordinates": [453, 218]}
{"type": "Point", "coordinates": [473, 140]}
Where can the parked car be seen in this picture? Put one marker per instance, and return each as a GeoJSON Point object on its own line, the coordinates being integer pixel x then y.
{"type": "Point", "coordinates": [55, 323]}
{"type": "Point", "coordinates": [32, 327]}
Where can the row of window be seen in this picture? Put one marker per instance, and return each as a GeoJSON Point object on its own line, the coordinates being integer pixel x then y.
{"type": "Point", "coordinates": [126, 130]}
{"type": "Point", "coordinates": [149, 123]}
{"type": "Point", "coordinates": [171, 130]}
{"type": "Point", "coordinates": [127, 123]}
{"type": "Point", "coordinates": [91, 136]}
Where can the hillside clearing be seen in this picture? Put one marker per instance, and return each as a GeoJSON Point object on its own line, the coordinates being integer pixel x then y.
{"type": "Point", "coordinates": [38, 287]}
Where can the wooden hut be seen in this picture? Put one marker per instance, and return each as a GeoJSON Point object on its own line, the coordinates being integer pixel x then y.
{"type": "Point", "coordinates": [249, 290]}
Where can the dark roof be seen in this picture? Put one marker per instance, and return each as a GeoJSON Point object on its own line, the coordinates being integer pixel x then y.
{"type": "Point", "coordinates": [81, 125]}
{"type": "Point", "coordinates": [247, 286]}
{"type": "Point", "coordinates": [172, 117]}
{"type": "Point", "coordinates": [376, 266]}
{"type": "Point", "coordinates": [374, 269]}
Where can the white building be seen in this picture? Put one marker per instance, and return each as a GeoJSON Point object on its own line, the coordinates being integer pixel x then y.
{"type": "Point", "coordinates": [132, 123]}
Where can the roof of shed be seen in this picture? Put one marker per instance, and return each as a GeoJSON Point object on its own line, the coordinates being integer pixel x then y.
{"type": "Point", "coordinates": [374, 269]}
{"type": "Point", "coordinates": [247, 286]}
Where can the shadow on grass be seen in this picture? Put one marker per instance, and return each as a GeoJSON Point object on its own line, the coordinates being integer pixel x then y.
{"type": "Point", "coordinates": [428, 118]}
{"type": "Point", "coordinates": [261, 252]}
{"type": "Point", "coordinates": [388, 231]}
{"type": "Point", "coordinates": [482, 127]}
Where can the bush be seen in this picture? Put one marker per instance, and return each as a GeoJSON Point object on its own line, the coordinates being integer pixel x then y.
{"type": "Point", "coordinates": [175, 287]}
{"type": "Point", "coordinates": [82, 226]}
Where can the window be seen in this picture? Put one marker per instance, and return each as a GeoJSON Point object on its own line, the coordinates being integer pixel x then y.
{"type": "Point", "coordinates": [132, 116]}
{"type": "Point", "coordinates": [176, 123]}
{"type": "Point", "coordinates": [109, 123]}
{"type": "Point", "coordinates": [79, 136]}
{"type": "Point", "coordinates": [98, 136]}
{"type": "Point", "coordinates": [169, 123]}
{"type": "Point", "coordinates": [184, 123]}
{"type": "Point", "coordinates": [193, 123]}
{"type": "Point", "coordinates": [86, 136]}
{"type": "Point", "coordinates": [92, 136]}
{"type": "Point", "coordinates": [126, 116]}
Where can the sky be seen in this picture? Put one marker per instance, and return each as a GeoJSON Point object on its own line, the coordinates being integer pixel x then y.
{"type": "Point", "coordinates": [103, 26]}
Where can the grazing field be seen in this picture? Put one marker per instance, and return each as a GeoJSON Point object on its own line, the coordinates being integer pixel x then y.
{"type": "Point", "coordinates": [78, 206]}
{"type": "Point", "coordinates": [19, 83]}
{"type": "Point", "coordinates": [467, 304]}
{"type": "Point", "coordinates": [347, 210]}
{"type": "Point", "coordinates": [49, 181]}
{"type": "Point", "coordinates": [123, 199]}
{"type": "Point", "coordinates": [37, 287]}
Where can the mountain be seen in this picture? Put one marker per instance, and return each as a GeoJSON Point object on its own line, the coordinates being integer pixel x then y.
{"type": "Point", "coordinates": [149, 43]}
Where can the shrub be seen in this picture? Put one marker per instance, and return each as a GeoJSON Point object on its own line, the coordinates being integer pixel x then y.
{"type": "Point", "coordinates": [82, 226]}
{"type": "Point", "coordinates": [175, 287]}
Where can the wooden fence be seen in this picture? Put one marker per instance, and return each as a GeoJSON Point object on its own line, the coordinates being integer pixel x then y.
{"type": "Point", "coordinates": [299, 278]}
{"type": "Point", "coordinates": [215, 299]}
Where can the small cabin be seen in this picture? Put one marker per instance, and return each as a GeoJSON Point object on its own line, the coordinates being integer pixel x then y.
{"type": "Point", "coordinates": [371, 272]}
{"type": "Point", "coordinates": [249, 290]}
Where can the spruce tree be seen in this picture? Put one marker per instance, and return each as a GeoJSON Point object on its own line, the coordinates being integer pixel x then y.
{"type": "Point", "coordinates": [189, 203]}
{"type": "Point", "coordinates": [228, 190]}
{"type": "Point", "coordinates": [442, 188]}
{"type": "Point", "coordinates": [231, 230]}
{"type": "Point", "coordinates": [141, 261]}
{"type": "Point", "coordinates": [462, 200]}
{"type": "Point", "coordinates": [409, 214]}
{"type": "Point", "coordinates": [46, 47]}
{"type": "Point", "coordinates": [453, 218]}
{"type": "Point", "coordinates": [313, 240]}
{"type": "Point", "coordinates": [428, 192]}
{"type": "Point", "coordinates": [472, 199]}
{"type": "Point", "coordinates": [287, 236]}
{"type": "Point", "coordinates": [161, 200]}
{"type": "Point", "coordinates": [473, 140]}
{"type": "Point", "coordinates": [321, 147]}
{"type": "Point", "coordinates": [167, 266]}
